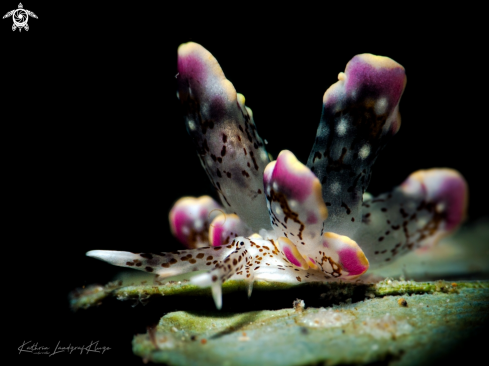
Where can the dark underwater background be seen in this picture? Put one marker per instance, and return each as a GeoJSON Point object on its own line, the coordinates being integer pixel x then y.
{"type": "Point", "coordinates": [95, 151]}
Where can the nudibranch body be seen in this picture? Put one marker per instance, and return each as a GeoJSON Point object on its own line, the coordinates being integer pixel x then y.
{"type": "Point", "coordinates": [290, 222]}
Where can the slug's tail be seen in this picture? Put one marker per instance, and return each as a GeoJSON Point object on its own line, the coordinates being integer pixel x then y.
{"type": "Point", "coordinates": [164, 264]}
{"type": "Point", "coordinates": [240, 258]}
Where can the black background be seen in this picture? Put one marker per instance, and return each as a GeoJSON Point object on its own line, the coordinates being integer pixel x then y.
{"type": "Point", "coordinates": [95, 151]}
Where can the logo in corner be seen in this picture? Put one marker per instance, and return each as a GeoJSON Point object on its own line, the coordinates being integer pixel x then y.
{"type": "Point", "coordinates": [20, 17]}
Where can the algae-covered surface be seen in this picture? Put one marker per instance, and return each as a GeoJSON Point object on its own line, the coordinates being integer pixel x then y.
{"type": "Point", "coordinates": [402, 322]}
{"type": "Point", "coordinates": [379, 329]}
{"type": "Point", "coordinates": [94, 295]}
{"type": "Point", "coordinates": [375, 320]}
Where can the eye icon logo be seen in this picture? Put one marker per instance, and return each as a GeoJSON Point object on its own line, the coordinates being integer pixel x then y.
{"type": "Point", "coordinates": [20, 17]}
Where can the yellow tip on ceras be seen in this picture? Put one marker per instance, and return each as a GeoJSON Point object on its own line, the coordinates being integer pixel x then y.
{"type": "Point", "coordinates": [292, 162]}
{"type": "Point", "coordinates": [255, 236]}
{"type": "Point", "coordinates": [285, 243]}
{"type": "Point", "coordinates": [212, 66]}
{"type": "Point", "coordinates": [379, 61]}
{"type": "Point", "coordinates": [189, 48]}
{"type": "Point", "coordinates": [374, 61]}
{"type": "Point", "coordinates": [297, 167]}
{"type": "Point", "coordinates": [345, 240]}
{"type": "Point", "coordinates": [418, 181]}
{"type": "Point", "coordinates": [241, 100]}
{"type": "Point", "coordinates": [310, 262]}
{"type": "Point", "coordinates": [383, 62]}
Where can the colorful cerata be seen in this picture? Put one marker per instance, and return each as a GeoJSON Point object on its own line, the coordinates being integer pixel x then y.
{"type": "Point", "coordinates": [289, 222]}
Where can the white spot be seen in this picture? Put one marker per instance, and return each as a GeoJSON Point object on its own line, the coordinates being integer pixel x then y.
{"type": "Point", "coordinates": [422, 222]}
{"type": "Point", "coordinates": [364, 151]}
{"type": "Point", "coordinates": [335, 188]}
{"type": "Point", "coordinates": [263, 155]}
{"type": "Point", "coordinates": [275, 186]}
{"type": "Point", "coordinates": [178, 95]}
{"type": "Point", "coordinates": [381, 106]}
{"type": "Point", "coordinates": [198, 224]}
{"type": "Point", "coordinates": [278, 210]}
{"type": "Point", "coordinates": [265, 141]}
{"type": "Point", "coordinates": [367, 196]}
{"type": "Point", "coordinates": [440, 207]}
{"type": "Point", "coordinates": [342, 127]}
{"type": "Point", "coordinates": [185, 230]}
{"type": "Point", "coordinates": [292, 203]}
{"type": "Point", "coordinates": [205, 109]}
{"type": "Point", "coordinates": [191, 125]}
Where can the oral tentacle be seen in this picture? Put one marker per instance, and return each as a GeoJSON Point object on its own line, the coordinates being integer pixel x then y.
{"type": "Point", "coordinates": [427, 206]}
{"type": "Point", "coordinates": [360, 115]}
{"type": "Point", "coordinates": [224, 133]}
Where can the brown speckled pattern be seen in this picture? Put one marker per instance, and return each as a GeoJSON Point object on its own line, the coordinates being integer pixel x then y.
{"type": "Point", "coordinates": [225, 136]}
{"type": "Point", "coordinates": [396, 222]}
{"type": "Point", "coordinates": [243, 258]}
